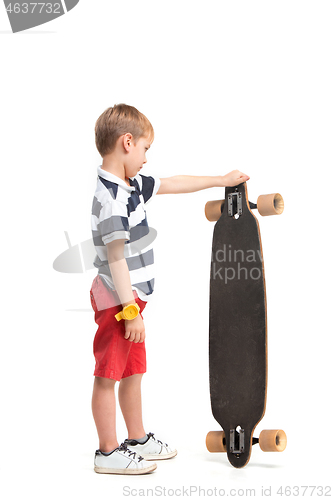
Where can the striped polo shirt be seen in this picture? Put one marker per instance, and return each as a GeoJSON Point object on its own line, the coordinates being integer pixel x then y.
{"type": "Point", "coordinates": [118, 213]}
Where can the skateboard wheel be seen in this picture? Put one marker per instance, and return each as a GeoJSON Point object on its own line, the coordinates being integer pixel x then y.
{"type": "Point", "coordinates": [270, 204]}
{"type": "Point", "coordinates": [273, 440]}
{"type": "Point", "coordinates": [215, 442]}
{"type": "Point", "coordinates": [213, 210]}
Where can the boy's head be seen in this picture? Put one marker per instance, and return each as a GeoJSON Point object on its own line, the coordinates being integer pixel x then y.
{"type": "Point", "coordinates": [117, 121]}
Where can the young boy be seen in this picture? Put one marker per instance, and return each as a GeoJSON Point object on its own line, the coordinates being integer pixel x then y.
{"type": "Point", "coordinates": [124, 283]}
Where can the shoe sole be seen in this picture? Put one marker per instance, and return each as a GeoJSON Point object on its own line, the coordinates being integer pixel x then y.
{"type": "Point", "coordinates": [165, 456]}
{"type": "Point", "coordinates": [105, 470]}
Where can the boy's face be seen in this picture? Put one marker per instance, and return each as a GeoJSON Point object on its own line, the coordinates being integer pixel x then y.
{"type": "Point", "coordinates": [136, 156]}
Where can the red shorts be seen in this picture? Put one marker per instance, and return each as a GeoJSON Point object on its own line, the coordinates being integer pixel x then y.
{"type": "Point", "coordinates": [116, 357]}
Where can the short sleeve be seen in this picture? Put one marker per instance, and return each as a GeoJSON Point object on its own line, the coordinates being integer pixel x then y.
{"type": "Point", "coordinates": [113, 222]}
{"type": "Point", "coordinates": [149, 187]}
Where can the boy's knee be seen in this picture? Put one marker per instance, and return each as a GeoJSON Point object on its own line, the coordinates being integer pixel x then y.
{"type": "Point", "coordinates": [104, 383]}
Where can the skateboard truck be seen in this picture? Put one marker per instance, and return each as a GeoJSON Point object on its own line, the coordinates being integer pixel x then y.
{"type": "Point", "coordinates": [235, 204]}
{"type": "Point", "coordinates": [237, 440]}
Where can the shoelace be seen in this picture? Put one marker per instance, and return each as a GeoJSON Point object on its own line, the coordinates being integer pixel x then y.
{"type": "Point", "coordinates": [151, 435]}
{"type": "Point", "coordinates": [123, 447]}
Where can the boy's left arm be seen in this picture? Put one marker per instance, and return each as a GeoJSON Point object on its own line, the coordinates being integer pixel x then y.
{"type": "Point", "coordinates": [190, 184]}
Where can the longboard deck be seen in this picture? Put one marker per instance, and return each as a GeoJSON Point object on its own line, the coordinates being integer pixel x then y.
{"type": "Point", "coordinates": [237, 328]}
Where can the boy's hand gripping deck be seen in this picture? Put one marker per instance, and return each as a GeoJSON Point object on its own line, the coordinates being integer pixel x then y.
{"type": "Point", "coordinates": [238, 326]}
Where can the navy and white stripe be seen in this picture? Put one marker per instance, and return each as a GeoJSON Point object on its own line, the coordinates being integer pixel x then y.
{"type": "Point", "coordinates": [118, 213]}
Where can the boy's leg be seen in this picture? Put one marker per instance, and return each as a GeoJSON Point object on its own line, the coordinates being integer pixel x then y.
{"type": "Point", "coordinates": [104, 413]}
{"type": "Point", "coordinates": [129, 394]}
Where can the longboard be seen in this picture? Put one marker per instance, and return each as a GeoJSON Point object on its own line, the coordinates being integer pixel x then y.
{"type": "Point", "coordinates": [238, 327]}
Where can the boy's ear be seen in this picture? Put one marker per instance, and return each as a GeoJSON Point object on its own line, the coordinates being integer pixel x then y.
{"type": "Point", "coordinates": [127, 141]}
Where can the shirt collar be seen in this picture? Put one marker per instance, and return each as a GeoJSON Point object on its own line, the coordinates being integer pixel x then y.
{"type": "Point", "coordinates": [113, 178]}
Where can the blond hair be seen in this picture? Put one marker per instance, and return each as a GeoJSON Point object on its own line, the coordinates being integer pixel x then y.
{"type": "Point", "coordinates": [117, 121]}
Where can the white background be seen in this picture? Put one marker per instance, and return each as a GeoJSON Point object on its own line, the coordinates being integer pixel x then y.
{"type": "Point", "coordinates": [226, 84]}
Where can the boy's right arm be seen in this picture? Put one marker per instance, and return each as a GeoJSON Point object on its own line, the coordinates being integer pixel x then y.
{"type": "Point", "coordinates": [134, 329]}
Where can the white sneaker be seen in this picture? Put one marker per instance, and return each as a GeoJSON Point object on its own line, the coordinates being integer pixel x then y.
{"type": "Point", "coordinates": [121, 461]}
{"type": "Point", "coordinates": [152, 449]}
